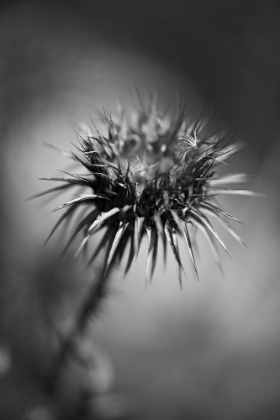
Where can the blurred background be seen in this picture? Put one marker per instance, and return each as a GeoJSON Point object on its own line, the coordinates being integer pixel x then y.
{"type": "Point", "coordinates": [211, 350]}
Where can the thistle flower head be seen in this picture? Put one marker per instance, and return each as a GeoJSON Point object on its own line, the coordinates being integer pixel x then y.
{"type": "Point", "coordinates": [149, 174]}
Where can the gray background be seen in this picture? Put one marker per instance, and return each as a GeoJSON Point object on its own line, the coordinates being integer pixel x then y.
{"type": "Point", "coordinates": [212, 350]}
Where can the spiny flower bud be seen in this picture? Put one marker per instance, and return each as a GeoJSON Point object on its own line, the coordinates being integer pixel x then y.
{"type": "Point", "coordinates": [151, 175]}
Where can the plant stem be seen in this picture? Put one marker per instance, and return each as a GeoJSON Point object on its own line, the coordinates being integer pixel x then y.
{"type": "Point", "coordinates": [88, 307]}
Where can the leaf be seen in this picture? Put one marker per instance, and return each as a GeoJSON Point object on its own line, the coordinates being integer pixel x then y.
{"type": "Point", "coordinates": [184, 229]}
{"type": "Point", "coordinates": [175, 250]}
{"type": "Point", "coordinates": [121, 229]}
{"type": "Point", "coordinates": [205, 222]}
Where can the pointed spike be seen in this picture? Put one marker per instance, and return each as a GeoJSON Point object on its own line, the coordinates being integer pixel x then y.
{"type": "Point", "coordinates": [162, 235]}
{"type": "Point", "coordinates": [86, 164]}
{"type": "Point", "coordinates": [77, 177]}
{"type": "Point", "coordinates": [150, 249]}
{"type": "Point", "coordinates": [189, 246]}
{"type": "Point", "coordinates": [155, 253]}
{"type": "Point", "coordinates": [152, 239]}
{"type": "Point", "coordinates": [219, 211]}
{"type": "Point", "coordinates": [229, 179]}
{"type": "Point", "coordinates": [68, 220]}
{"type": "Point", "coordinates": [97, 223]}
{"type": "Point", "coordinates": [85, 253]}
{"type": "Point", "coordinates": [105, 239]}
{"type": "Point", "coordinates": [184, 230]}
{"type": "Point", "coordinates": [170, 238]}
{"type": "Point", "coordinates": [83, 243]}
{"type": "Point", "coordinates": [194, 239]}
{"type": "Point", "coordinates": [138, 233]}
{"type": "Point", "coordinates": [110, 240]}
{"type": "Point", "coordinates": [79, 200]}
{"type": "Point", "coordinates": [211, 243]}
{"type": "Point", "coordinates": [131, 253]}
{"type": "Point", "coordinates": [230, 150]}
{"type": "Point", "coordinates": [121, 229]}
{"type": "Point", "coordinates": [208, 225]}
{"type": "Point", "coordinates": [67, 180]}
{"type": "Point", "coordinates": [121, 247]}
{"type": "Point", "coordinates": [58, 223]}
{"type": "Point", "coordinates": [64, 151]}
{"type": "Point", "coordinates": [90, 218]}
{"type": "Point", "coordinates": [125, 209]}
{"type": "Point", "coordinates": [180, 267]}
{"type": "Point", "coordinates": [164, 242]}
{"type": "Point", "coordinates": [226, 191]}
{"type": "Point", "coordinates": [95, 226]}
{"type": "Point", "coordinates": [226, 226]}
{"type": "Point", "coordinates": [61, 187]}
